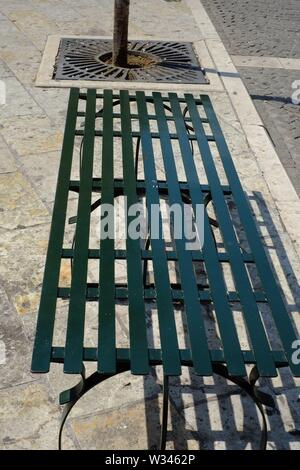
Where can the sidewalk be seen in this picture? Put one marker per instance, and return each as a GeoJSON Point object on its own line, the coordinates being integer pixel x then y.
{"type": "Point", "coordinates": [263, 39]}
{"type": "Point", "coordinates": [117, 416]}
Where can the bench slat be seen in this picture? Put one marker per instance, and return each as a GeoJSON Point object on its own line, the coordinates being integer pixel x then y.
{"type": "Point", "coordinates": [107, 327]}
{"type": "Point", "coordinates": [255, 326]}
{"type": "Point", "coordinates": [217, 356]}
{"type": "Point", "coordinates": [223, 311]}
{"type": "Point", "coordinates": [140, 185]}
{"type": "Point", "coordinates": [147, 254]}
{"type": "Point", "coordinates": [279, 312]}
{"type": "Point", "coordinates": [46, 316]}
{"type": "Point", "coordinates": [121, 293]}
{"type": "Point", "coordinates": [167, 326]}
{"type": "Point", "coordinates": [139, 359]}
{"type": "Point", "coordinates": [76, 314]}
{"type": "Point", "coordinates": [194, 310]}
{"type": "Point", "coordinates": [193, 296]}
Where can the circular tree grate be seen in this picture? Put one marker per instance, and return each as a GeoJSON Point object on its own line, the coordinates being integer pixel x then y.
{"type": "Point", "coordinates": [150, 61]}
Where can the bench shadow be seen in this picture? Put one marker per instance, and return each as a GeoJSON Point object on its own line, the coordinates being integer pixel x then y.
{"type": "Point", "coordinates": [278, 99]}
{"type": "Point", "coordinates": [220, 73]}
{"type": "Point", "coordinates": [212, 413]}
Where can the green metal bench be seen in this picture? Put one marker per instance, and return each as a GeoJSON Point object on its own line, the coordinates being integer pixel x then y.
{"type": "Point", "coordinates": [190, 117]}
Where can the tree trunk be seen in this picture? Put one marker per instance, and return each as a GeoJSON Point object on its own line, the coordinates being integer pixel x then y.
{"type": "Point", "coordinates": [120, 39]}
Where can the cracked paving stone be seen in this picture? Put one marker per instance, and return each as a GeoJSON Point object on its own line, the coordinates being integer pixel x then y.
{"type": "Point", "coordinates": [7, 160]}
{"type": "Point", "coordinates": [29, 418]}
{"type": "Point", "coordinates": [125, 389]}
{"type": "Point", "coordinates": [22, 275]}
{"type": "Point", "coordinates": [28, 132]}
{"type": "Point", "coordinates": [18, 101]}
{"type": "Point", "coordinates": [15, 349]}
{"type": "Point", "coordinates": [20, 207]}
{"type": "Point", "coordinates": [130, 427]}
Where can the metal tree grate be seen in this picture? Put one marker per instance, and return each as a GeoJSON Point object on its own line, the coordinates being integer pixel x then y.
{"type": "Point", "coordinates": [152, 61]}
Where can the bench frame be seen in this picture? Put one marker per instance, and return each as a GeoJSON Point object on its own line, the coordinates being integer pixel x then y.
{"type": "Point", "coordinates": [228, 362]}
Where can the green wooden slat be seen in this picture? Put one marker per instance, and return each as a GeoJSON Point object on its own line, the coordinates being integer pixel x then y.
{"type": "Point", "coordinates": [167, 326]}
{"type": "Point", "coordinates": [107, 327]}
{"type": "Point", "coordinates": [76, 316]}
{"type": "Point", "coordinates": [195, 322]}
{"type": "Point", "coordinates": [279, 312]}
{"type": "Point", "coordinates": [137, 316]}
{"type": "Point", "coordinates": [255, 327]}
{"type": "Point", "coordinates": [46, 316]}
{"type": "Point", "coordinates": [227, 328]}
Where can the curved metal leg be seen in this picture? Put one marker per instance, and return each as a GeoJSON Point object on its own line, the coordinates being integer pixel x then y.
{"type": "Point", "coordinates": [258, 397]}
{"type": "Point", "coordinates": [164, 421]}
{"type": "Point", "coordinates": [71, 396]}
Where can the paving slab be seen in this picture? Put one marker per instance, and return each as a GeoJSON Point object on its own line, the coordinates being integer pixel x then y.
{"type": "Point", "coordinates": [125, 389]}
{"type": "Point", "coordinates": [135, 426]}
{"type": "Point", "coordinates": [38, 129]}
{"type": "Point", "coordinates": [266, 62]}
{"type": "Point", "coordinates": [42, 180]}
{"type": "Point", "coordinates": [292, 64]}
{"type": "Point", "coordinates": [21, 275]}
{"type": "Point", "coordinates": [22, 208]}
{"type": "Point", "coordinates": [52, 102]}
{"type": "Point", "coordinates": [35, 25]}
{"type": "Point", "coordinates": [15, 347]}
{"type": "Point", "coordinates": [37, 418]}
{"type": "Point", "coordinates": [18, 102]}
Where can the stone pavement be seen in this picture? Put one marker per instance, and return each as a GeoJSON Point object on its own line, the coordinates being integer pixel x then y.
{"type": "Point", "coordinates": [205, 412]}
{"type": "Point", "coordinates": [267, 29]}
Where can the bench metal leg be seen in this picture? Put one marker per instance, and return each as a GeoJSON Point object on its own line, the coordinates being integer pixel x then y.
{"type": "Point", "coordinates": [258, 397]}
{"type": "Point", "coordinates": [71, 396]}
{"type": "Point", "coordinates": [165, 407]}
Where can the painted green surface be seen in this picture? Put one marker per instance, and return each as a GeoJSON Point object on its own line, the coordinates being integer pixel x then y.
{"type": "Point", "coordinates": [188, 128]}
